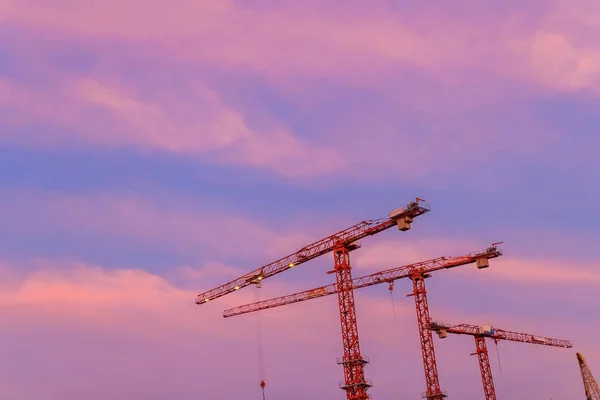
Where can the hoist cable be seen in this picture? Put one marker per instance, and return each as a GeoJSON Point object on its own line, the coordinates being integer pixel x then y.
{"type": "Point", "coordinates": [498, 355]}
{"type": "Point", "coordinates": [259, 345]}
{"type": "Point", "coordinates": [393, 303]}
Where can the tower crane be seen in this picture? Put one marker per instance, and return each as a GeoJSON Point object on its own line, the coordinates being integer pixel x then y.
{"type": "Point", "coordinates": [592, 392]}
{"type": "Point", "coordinates": [341, 243]}
{"type": "Point", "coordinates": [488, 331]}
{"type": "Point", "coordinates": [417, 272]}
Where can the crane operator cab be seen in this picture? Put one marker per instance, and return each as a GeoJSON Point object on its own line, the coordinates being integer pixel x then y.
{"type": "Point", "coordinates": [486, 330]}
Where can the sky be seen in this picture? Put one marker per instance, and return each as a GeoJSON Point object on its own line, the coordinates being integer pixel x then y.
{"type": "Point", "coordinates": [150, 151]}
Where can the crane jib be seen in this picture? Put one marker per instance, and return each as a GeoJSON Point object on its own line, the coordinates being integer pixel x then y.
{"type": "Point", "coordinates": [385, 276]}
{"type": "Point", "coordinates": [319, 248]}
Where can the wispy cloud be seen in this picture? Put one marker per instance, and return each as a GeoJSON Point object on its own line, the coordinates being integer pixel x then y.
{"type": "Point", "coordinates": [411, 95]}
{"type": "Point", "coordinates": [197, 125]}
{"type": "Point", "coordinates": [436, 75]}
{"type": "Point", "coordinates": [287, 41]}
{"type": "Point", "coordinates": [509, 268]}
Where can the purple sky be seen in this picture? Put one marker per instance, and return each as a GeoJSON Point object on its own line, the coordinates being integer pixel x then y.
{"type": "Point", "coordinates": [153, 150]}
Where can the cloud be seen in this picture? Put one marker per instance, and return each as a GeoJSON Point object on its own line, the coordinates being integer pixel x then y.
{"type": "Point", "coordinates": [542, 272]}
{"type": "Point", "coordinates": [198, 235]}
{"type": "Point", "coordinates": [202, 236]}
{"type": "Point", "coordinates": [195, 124]}
{"type": "Point", "coordinates": [525, 43]}
{"type": "Point", "coordinates": [138, 334]}
{"type": "Point", "coordinates": [438, 90]}
{"type": "Point", "coordinates": [558, 63]}
{"type": "Point", "coordinates": [130, 320]}
{"type": "Point", "coordinates": [394, 253]}
{"type": "Point", "coordinates": [523, 269]}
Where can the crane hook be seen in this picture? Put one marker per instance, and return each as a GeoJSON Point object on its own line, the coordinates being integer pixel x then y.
{"type": "Point", "coordinates": [262, 386]}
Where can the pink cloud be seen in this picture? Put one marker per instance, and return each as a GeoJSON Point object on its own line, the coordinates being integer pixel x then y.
{"type": "Point", "coordinates": [385, 254]}
{"type": "Point", "coordinates": [354, 44]}
{"type": "Point", "coordinates": [104, 109]}
{"type": "Point", "coordinates": [182, 228]}
{"type": "Point", "coordinates": [545, 271]}
{"type": "Point", "coordinates": [196, 124]}
{"type": "Point", "coordinates": [137, 333]}
{"type": "Point", "coordinates": [535, 271]}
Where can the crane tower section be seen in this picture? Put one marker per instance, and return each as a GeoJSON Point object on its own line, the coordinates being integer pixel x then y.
{"type": "Point", "coordinates": [592, 391]}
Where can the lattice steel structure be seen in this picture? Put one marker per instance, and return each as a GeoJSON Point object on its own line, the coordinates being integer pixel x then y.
{"type": "Point", "coordinates": [401, 217]}
{"type": "Point", "coordinates": [353, 362]}
{"type": "Point", "coordinates": [417, 272]}
{"type": "Point", "coordinates": [432, 380]}
{"type": "Point", "coordinates": [488, 331]}
{"type": "Point", "coordinates": [341, 244]}
{"type": "Point", "coordinates": [592, 392]}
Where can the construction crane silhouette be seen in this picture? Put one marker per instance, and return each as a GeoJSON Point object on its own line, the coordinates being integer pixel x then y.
{"type": "Point", "coordinates": [341, 243]}
{"type": "Point", "coordinates": [592, 392]}
{"type": "Point", "coordinates": [417, 272]}
{"type": "Point", "coordinates": [488, 331]}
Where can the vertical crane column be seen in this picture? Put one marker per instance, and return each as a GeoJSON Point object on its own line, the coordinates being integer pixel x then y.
{"type": "Point", "coordinates": [485, 368]}
{"type": "Point", "coordinates": [592, 391]}
{"type": "Point", "coordinates": [354, 383]}
{"type": "Point", "coordinates": [423, 320]}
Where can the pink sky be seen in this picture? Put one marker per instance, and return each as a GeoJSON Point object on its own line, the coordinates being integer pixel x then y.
{"type": "Point", "coordinates": [151, 151]}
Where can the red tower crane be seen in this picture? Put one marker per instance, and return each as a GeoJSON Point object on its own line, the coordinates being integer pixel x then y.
{"type": "Point", "coordinates": [488, 331]}
{"type": "Point", "coordinates": [417, 272]}
{"type": "Point", "coordinates": [341, 244]}
{"type": "Point", "coordinates": [592, 392]}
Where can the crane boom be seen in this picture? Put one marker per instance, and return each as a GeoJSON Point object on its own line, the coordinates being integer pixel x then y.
{"type": "Point", "coordinates": [386, 276]}
{"type": "Point", "coordinates": [402, 217]}
{"type": "Point", "coordinates": [499, 334]}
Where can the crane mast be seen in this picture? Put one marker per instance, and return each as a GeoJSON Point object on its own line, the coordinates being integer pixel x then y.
{"type": "Point", "coordinates": [354, 383]}
{"type": "Point", "coordinates": [432, 381]}
{"type": "Point", "coordinates": [592, 391]}
{"type": "Point", "coordinates": [479, 333]}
